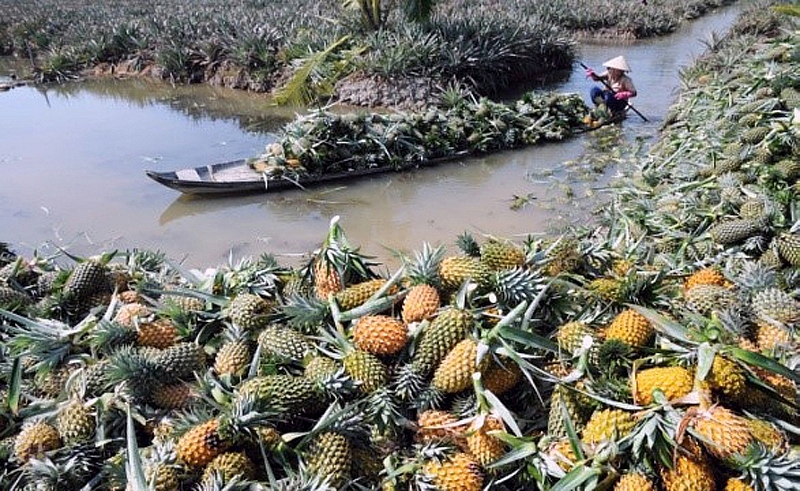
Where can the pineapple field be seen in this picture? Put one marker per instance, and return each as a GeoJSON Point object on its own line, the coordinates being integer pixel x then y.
{"type": "Point", "coordinates": [362, 53]}
{"type": "Point", "coordinates": [653, 349]}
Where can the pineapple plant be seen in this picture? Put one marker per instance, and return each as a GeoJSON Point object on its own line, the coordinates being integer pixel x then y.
{"type": "Point", "coordinates": [499, 255]}
{"type": "Point", "coordinates": [577, 408]}
{"type": "Point", "coordinates": [327, 279]}
{"type": "Point", "coordinates": [380, 335]}
{"type": "Point", "coordinates": [35, 439]}
{"type": "Point", "coordinates": [329, 457]}
{"type": "Point", "coordinates": [454, 373]}
{"type": "Point", "coordinates": [250, 311]}
{"type": "Point", "coordinates": [572, 336]}
{"type": "Point", "coordinates": [707, 298]}
{"type": "Point", "coordinates": [631, 328]}
{"type": "Point", "coordinates": [774, 305]}
{"type": "Point", "coordinates": [201, 444]}
{"type": "Point", "coordinates": [675, 382]}
{"type": "Point", "coordinates": [726, 379]}
{"type": "Point", "coordinates": [234, 356]}
{"type": "Point", "coordinates": [458, 472]}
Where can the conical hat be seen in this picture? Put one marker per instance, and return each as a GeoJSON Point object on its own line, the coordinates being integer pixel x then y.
{"type": "Point", "coordinates": [619, 63]}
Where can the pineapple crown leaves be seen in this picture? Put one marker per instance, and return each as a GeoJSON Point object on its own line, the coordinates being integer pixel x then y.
{"type": "Point", "coordinates": [305, 314]}
{"type": "Point", "coordinates": [513, 286]}
{"type": "Point", "coordinates": [765, 470]}
{"type": "Point", "coordinates": [134, 366]}
{"type": "Point", "coordinates": [348, 420]}
{"type": "Point", "coordinates": [245, 415]}
{"type": "Point", "coordinates": [468, 245]}
{"type": "Point", "coordinates": [424, 267]}
{"type": "Point", "coordinates": [48, 341]}
{"type": "Point", "coordinates": [66, 468]}
{"type": "Point", "coordinates": [337, 254]}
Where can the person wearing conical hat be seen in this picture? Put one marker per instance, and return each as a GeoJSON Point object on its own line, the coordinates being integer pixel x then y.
{"type": "Point", "coordinates": [617, 88]}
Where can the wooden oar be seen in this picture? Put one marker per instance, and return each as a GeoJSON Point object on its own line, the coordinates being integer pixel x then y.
{"type": "Point", "coordinates": [614, 92]}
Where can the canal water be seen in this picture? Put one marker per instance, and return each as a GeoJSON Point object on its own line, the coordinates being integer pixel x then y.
{"type": "Point", "coordinates": [73, 160]}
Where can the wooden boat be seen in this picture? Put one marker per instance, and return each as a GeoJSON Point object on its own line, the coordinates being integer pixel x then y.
{"type": "Point", "coordinates": [238, 177]}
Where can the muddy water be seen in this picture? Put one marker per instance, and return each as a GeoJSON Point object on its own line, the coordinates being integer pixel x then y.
{"type": "Point", "coordinates": [73, 161]}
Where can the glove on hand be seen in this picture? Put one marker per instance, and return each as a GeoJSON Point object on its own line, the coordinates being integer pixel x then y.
{"type": "Point", "coordinates": [590, 74]}
{"type": "Point", "coordinates": [623, 95]}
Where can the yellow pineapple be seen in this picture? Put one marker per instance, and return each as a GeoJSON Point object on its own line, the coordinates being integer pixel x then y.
{"type": "Point", "coordinates": [563, 454]}
{"type": "Point", "coordinates": [421, 303]}
{"type": "Point", "coordinates": [159, 333]}
{"type": "Point", "coordinates": [726, 378]}
{"type": "Point", "coordinates": [435, 425]}
{"type": "Point", "coordinates": [724, 433]}
{"type": "Point", "coordinates": [769, 336]}
{"type": "Point", "coordinates": [355, 295]}
{"type": "Point", "coordinates": [327, 280]}
{"type": "Point", "coordinates": [485, 447]}
{"type": "Point", "coordinates": [500, 255]}
{"type": "Point", "coordinates": [768, 435]}
{"type": "Point", "coordinates": [201, 444]}
{"type": "Point", "coordinates": [454, 373]}
{"type": "Point", "coordinates": [630, 327]}
{"type": "Point", "coordinates": [129, 314]}
{"type": "Point", "coordinates": [380, 335]}
{"type": "Point", "coordinates": [634, 482]}
{"type": "Point", "coordinates": [455, 270]}
{"type": "Point", "coordinates": [173, 396]}
{"type": "Point", "coordinates": [689, 473]}
{"type": "Point", "coordinates": [734, 484]}
{"type": "Point", "coordinates": [499, 379]}
{"type": "Point", "coordinates": [609, 289]}
{"type": "Point", "coordinates": [36, 439]}
{"type": "Point", "coordinates": [460, 472]}
{"type": "Point", "coordinates": [229, 465]}
{"type": "Point", "coordinates": [674, 382]}
{"type": "Point", "coordinates": [163, 477]}
{"type": "Point", "coordinates": [607, 424]}
{"type": "Point", "coordinates": [705, 276]}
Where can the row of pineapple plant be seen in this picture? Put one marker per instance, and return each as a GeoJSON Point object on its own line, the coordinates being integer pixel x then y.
{"type": "Point", "coordinates": [326, 142]}
{"type": "Point", "coordinates": [657, 350]}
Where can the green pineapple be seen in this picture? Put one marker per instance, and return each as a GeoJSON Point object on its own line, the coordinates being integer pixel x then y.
{"type": "Point", "coordinates": [12, 299]}
{"type": "Point", "coordinates": [755, 135]}
{"type": "Point", "coordinates": [563, 257]}
{"type": "Point", "coordinates": [455, 371]}
{"type": "Point", "coordinates": [284, 343]}
{"type": "Point", "coordinates": [329, 457]}
{"type": "Point", "coordinates": [233, 357]}
{"type": "Point", "coordinates": [249, 311]}
{"type": "Point", "coordinates": [788, 246]}
{"type": "Point", "coordinates": [735, 230]}
{"type": "Point", "coordinates": [500, 255]}
{"type": "Point", "coordinates": [787, 169]}
{"type": "Point", "coordinates": [571, 338]}
{"type": "Point", "coordinates": [181, 361]}
{"type": "Point", "coordinates": [706, 298]}
{"type": "Point", "coordinates": [286, 393]}
{"type": "Point", "coordinates": [75, 423]}
{"type": "Point", "coordinates": [355, 295]}
{"type": "Point", "coordinates": [228, 465]}
{"type": "Point", "coordinates": [87, 278]}
{"type": "Point", "coordinates": [320, 368]}
{"type": "Point", "coordinates": [455, 270]}
{"type": "Point", "coordinates": [439, 337]}
{"type": "Point", "coordinates": [576, 406]}
{"type": "Point", "coordinates": [773, 304]}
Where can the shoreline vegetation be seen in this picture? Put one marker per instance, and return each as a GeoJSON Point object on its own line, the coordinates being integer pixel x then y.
{"type": "Point", "coordinates": [655, 349]}
{"type": "Point", "coordinates": [367, 53]}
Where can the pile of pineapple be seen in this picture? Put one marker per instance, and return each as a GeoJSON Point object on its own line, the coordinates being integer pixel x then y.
{"type": "Point", "coordinates": [654, 350]}
{"type": "Point", "coordinates": [326, 142]}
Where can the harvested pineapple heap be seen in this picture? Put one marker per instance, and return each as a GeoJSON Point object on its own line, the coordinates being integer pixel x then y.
{"type": "Point", "coordinates": [325, 142]}
{"type": "Point", "coordinates": [656, 350]}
